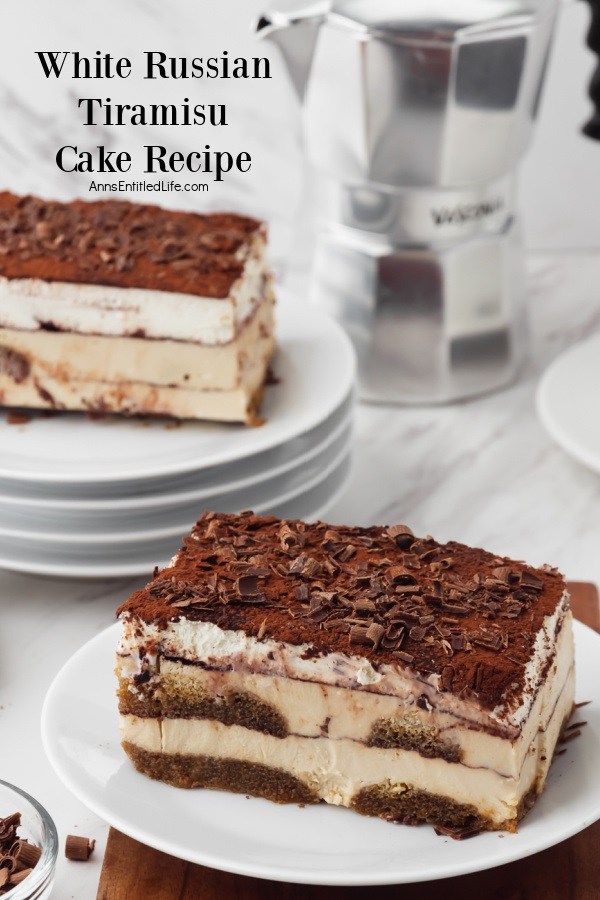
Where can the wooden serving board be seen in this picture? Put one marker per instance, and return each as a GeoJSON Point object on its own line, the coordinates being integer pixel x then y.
{"type": "Point", "coordinates": [568, 871]}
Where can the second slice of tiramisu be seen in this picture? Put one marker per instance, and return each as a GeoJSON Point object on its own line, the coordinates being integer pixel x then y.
{"type": "Point", "coordinates": [126, 308]}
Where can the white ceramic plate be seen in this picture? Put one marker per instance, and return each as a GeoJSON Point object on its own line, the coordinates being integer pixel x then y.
{"type": "Point", "coordinates": [568, 405]}
{"type": "Point", "coordinates": [123, 559]}
{"type": "Point", "coordinates": [315, 365]}
{"type": "Point", "coordinates": [105, 527]}
{"type": "Point", "coordinates": [177, 489]}
{"type": "Point", "coordinates": [153, 492]}
{"type": "Point", "coordinates": [314, 845]}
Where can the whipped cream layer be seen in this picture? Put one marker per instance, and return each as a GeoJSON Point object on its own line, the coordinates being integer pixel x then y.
{"type": "Point", "coordinates": [31, 304]}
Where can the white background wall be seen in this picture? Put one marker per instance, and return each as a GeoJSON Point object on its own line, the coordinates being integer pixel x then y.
{"type": "Point", "coordinates": [560, 177]}
{"type": "Point", "coordinates": [560, 183]}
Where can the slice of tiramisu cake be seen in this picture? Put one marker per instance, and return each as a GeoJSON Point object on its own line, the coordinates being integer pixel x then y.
{"type": "Point", "coordinates": [406, 679]}
{"type": "Point", "coordinates": [119, 307]}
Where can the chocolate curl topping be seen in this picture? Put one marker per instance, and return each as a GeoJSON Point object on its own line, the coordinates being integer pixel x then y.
{"type": "Point", "coordinates": [305, 566]}
{"type": "Point", "coordinates": [528, 580]}
{"type": "Point", "coordinates": [374, 633]}
{"type": "Point", "coordinates": [400, 575]}
{"type": "Point", "coordinates": [9, 825]}
{"type": "Point", "coordinates": [248, 586]}
{"type": "Point", "coordinates": [358, 635]}
{"type": "Point", "coordinates": [340, 588]}
{"type": "Point", "coordinates": [290, 540]}
{"type": "Point", "coordinates": [18, 856]}
{"type": "Point", "coordinates": [17, 877]}
{"type": "Point", "coordinates": [401, 535]}
{"type": "Point", "coordinates": [78, 847]}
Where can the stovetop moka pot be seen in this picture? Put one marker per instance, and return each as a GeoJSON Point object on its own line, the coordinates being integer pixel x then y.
{"type": "Point", "coordinates": [416, 115]}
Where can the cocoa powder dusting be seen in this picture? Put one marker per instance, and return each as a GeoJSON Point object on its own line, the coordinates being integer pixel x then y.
{"type": "Point", "coordinates": [122, 244]}
{"type": "Point", "coordinates": [381, 593]}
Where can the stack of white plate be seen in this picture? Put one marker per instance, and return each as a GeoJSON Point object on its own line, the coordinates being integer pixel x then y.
{"type": "Point", "coordinates": [113, 497]}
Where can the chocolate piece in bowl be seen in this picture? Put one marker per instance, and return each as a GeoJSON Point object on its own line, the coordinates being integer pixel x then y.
{"type": "Point", "coordinates": [366, 667]}
{"type": "Point", "coordinates": [127, 308]}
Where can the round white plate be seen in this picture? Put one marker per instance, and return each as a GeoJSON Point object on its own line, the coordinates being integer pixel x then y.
{"type": "Point", "coordinates": [122, 559]}
{"type": "Point", "coordinates": [315, 366]}
{"type": "Point", "coordinates": [104, 527]}
{"type": "Point", "coordinates": [567, 402]}
{"type": "Point", "coordinates": [314, 845]}
{"type": "Point", "coordinates": [178, 489]}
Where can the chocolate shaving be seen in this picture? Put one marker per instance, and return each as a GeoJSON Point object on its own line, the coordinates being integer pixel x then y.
{"type": "Point", "coordinates": [407, 589]}
{"type": "Point", "coordinates": [457, 833]}
{"type": "Point", "coordinates": [458, 641]}
{"type": "Point", "coordinates": [18, 856]}
{"type": "Point", "coordinates": [400, 575]}
{"type": "Point", "coordinates": [79, 848]}
{"type": "Point", "coordinates": [257, 571]}
{"type": "Point", "coordinates": [319, 613]}
{"type": "Point", "coordinates": [456, 610]}
{"type": "Point", "coordinates": [347, 553]}
{"type": "Point", "coordinates": [502, 573]}
{"type": "Point", "coordinates": [447, 678]}
{"type": "Point", "coordinates": [488, 640]}
{"type": "Point", "coordinates": [359, 635]}
{"type": "Point", "coordinates": [330, 567]}
{"type": "Point", "coordinates": [417, 633]}
{"type": "Point", "coordinates": [305, 566]}
{"type": "Point", "coordinates": [362, 606]}
{"type": "Point", "coordinates": [375, 632]}
{"type": "Point", "coordinates": [528, 580]}
{"type": "Point", "coordinates": [402, 535]}
{"type": "Point", "coordinates": [248, 586]}
{"type": "Point", "coordinates": [290, 540]}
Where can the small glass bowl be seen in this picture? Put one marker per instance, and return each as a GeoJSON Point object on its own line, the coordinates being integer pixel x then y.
{"type": "Point", "coordinates": [38, 827]}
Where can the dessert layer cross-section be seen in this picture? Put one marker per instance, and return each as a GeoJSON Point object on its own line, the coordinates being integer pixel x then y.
{"type": "Point", "coordinates": [122, 307]}
{"type": "Point", "coordinates": [366, 667]}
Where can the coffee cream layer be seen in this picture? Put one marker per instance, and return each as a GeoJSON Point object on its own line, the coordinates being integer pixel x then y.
{"type": "Point", "coordinates": [336, 724]}
{"type": "Point", "coordinates": [134, 375]}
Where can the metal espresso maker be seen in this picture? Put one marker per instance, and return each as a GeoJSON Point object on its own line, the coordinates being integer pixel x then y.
{"type": "Point", "coordinates": [416, 115]}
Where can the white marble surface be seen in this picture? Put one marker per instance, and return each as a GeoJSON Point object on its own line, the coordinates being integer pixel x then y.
{"type": "Point", "coordinates": [482, 472]}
